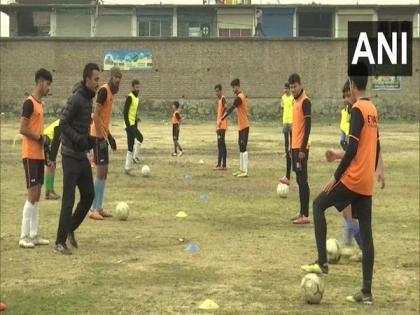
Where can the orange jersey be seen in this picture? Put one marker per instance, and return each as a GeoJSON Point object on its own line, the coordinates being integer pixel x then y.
{"type": "Point", "coordinates": [221, 109]}
{"type": "Point", "coordinates": [298, 129]}
{"type": "Point", "coordinates": [175, 120]}
{"type": "Point", "coordinates": [359, 176]}
{"type": "Point", "coordinates": [33, 149]}
{"type": "Point", "coordinates": [105, 113]}
{"type": "Point", "coordinates": [242, 111]}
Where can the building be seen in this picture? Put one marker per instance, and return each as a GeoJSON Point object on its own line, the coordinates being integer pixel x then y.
{"type": "Point", "coordinates": [86, 18]}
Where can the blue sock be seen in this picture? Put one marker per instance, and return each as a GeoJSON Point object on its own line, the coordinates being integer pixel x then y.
{"type": "Point", "coordinates": [98, 190]}
{"type": "Point", "coordinates": [347, 233]}
{"type": "Point", "coordinates": [356, 233]}
{"type": "Point", "coordinates": [101, 194]}
{"type": "Point", "coordinates": [93, 207]}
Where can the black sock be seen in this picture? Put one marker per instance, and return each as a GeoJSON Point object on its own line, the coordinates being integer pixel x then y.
{"type": "Point", "coordinates": [320, 232]}
{"type": "Point", "coordinates": [288, 165]}
{"type": "Point", "coordinates": [368, 249]}
{"type": "Point", "coordinates": [220, 153]}
{"type": "Point", "coordinates": [304, 198]}
{"type": "Point", "coordinates": [224, 154]}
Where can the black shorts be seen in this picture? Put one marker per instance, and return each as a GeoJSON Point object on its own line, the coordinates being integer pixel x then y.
{"type": "Point", "coordinates": [34, 172]}
{"type": "Point", "coordinates": [340, 197]}
{"type": "Point", "coordinates": [287, 128]}
{"type": "Point", "coordinates": [298, 164]}
{"type": "Point", "coordinates": [100, 156]}
{"type": "Point", "coordinates": [243, 137]}
{"type": "Point", "coordinates": [175, 132]}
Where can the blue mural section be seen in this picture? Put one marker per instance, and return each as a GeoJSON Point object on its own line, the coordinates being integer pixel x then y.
{"type": "Point", "coordinates": [128, 60]}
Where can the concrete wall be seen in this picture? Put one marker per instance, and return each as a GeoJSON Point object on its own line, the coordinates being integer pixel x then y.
{"type": "Point", "coordinates": [192, 67]}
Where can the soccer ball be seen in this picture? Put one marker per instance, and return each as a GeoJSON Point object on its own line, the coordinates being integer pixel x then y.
{"type": "Point", "coordinates": [282, 190]}
{"type": "Point", "coordinates": [333, 251]}
{"type": "Point", "coordinates": [312, 287]}
{"type": "Point", "coordinates": [145, 171]}
{"type": "Point", "coordinates": [122, 211]}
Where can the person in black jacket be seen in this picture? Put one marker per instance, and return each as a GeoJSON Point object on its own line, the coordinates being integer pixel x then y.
{"type": "Point", "coordinates": [75, 123]}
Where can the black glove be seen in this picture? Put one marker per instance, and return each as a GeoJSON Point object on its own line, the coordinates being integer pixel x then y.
{"type": "Point", "coordinates": [102, 144]}
{"type": "Point", "coordinates": [112, 142]}
{"type": "Point", "coordinates": [82, 144]}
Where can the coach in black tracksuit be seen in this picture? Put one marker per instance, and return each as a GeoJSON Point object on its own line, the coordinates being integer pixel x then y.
{"type": "Point", "coordinates": [75, 127]}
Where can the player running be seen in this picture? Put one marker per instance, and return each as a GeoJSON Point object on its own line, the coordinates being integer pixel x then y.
{"type": "Point", "coordinates": [134, 136]}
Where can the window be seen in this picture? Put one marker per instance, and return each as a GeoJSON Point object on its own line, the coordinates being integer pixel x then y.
{"type": "Point", "coordinates": [316, 24]}
{"type": "Point", "coordinates": [196, 22]}
{"type": "Point", "coordinates": [345, 16]}
{"type": "Point", "coordinates": [246, 33]}
{"type": "Point", "coordinates": [194, 29]}
{"type": "Point", "coordinates": [235, 32]}
{"type": "Point", "coordinates": [223, 32]}
{"type": "Point", "coordinates": [166, 28]}
{"type": "Point", "coordinates": [155, 27]}
{"type": "Point", "coordinates": [73, 22]}
{"type": "Point", "coordinates": [33, 23]}
{"type": "Point", "coordinates": [144, 28]}
{"type": "Point", "coordinates": [278, 22]}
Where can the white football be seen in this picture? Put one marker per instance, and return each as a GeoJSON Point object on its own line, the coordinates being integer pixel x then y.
{"type": "Point", "coordinates": [333, 251]}
{"type": "Point", "coordinates": [145, 171]}
{"type": "Point", "coordinates": [312, 287]}
{"type": "Point", "coordinates": [122, 211]}
{"type": "Point", "coordinates": [282, 190]}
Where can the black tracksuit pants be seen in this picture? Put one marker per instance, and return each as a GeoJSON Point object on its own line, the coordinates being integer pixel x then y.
{"type": "Point", "coordinates": [76, 173]}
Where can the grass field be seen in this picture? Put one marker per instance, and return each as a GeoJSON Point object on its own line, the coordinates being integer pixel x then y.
{"type": "Point", "coordinates": [250, 255]}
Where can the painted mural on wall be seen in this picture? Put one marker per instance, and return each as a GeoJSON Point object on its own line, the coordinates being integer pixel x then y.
{"type": "Point", "coordinates": [386, 82]}
{"type": "Point", "coordinates": [128, 59]}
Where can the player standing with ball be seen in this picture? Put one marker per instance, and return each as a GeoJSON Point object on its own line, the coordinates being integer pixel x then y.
{"type": "Point", "coordinates": [352, 183]}
{"type": "Point", "coordinates": [75, 125]}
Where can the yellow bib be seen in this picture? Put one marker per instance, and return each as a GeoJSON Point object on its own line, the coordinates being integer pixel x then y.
{"type": "Point", "coordinates": [132, 112]}
{"type": "Point", "coordinates": [49, 131]}
{"type": "Point", "coordinates": [345, 121]}
{"type": "Point", "coordinates": [287, 108]}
